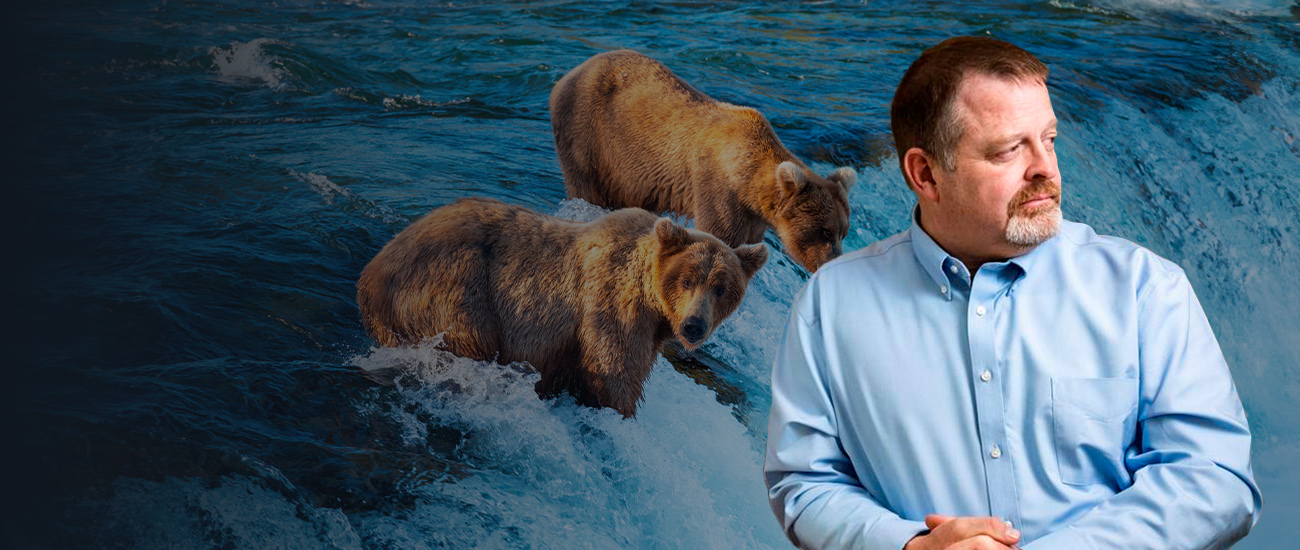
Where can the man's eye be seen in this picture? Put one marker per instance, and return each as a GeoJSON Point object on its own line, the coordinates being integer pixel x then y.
{"type": "Point", "coordinates": [1050, 143]}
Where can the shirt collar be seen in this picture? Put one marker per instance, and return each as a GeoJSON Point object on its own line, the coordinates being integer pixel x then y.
{"type": "Point", "coordinates": [934, 259]}
{"type": "Point", "coordinates": [1028, 260]}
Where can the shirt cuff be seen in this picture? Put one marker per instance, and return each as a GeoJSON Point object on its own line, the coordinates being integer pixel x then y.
{"type": "Point", "coordinates": [893, 533]}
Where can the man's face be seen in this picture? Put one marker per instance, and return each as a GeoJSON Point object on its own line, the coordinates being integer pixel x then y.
{"type": "Point", "coordinates": [1004, 191]}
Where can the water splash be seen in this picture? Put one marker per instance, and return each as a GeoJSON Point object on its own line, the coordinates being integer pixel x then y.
{"type": "Point", "coordinates": [553, 472]}
{"type": "Point", "coordinates": [579, 210]}
{"type": "Point", "coordinates": [247, 61]}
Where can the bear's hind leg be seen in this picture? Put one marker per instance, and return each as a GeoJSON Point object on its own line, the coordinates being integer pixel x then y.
{"type": "Point", "coordinates": [581, 181]}
{"type": "Point", "coordinates": [466, 340]}
{"type": "Point", "coordinates": [464, 310]}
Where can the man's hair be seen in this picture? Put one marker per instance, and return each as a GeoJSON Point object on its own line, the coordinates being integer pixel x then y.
{"type": "Point", "coordinates": [924, 111]}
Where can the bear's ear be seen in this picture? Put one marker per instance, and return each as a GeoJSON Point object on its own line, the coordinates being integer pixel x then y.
{"type": "Point", "coordinates": [672, 237]}
{"type": "Point", "coordinates": [752, 257]}
{"type": "Point", "coordinates": [789, 179]}
{"type": "Point", "coordinates": [845, 176]}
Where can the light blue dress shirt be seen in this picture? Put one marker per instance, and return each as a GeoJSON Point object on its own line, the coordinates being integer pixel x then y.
{"type": "Point", "coordinates": [1076, 391]}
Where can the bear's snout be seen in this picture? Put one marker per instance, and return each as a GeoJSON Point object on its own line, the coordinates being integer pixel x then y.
{"type": "Point", "coordinates": [693, 329]}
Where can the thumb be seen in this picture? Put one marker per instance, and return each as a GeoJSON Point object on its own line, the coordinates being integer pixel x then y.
{"type": "Point", "coordinates": [934, 520]}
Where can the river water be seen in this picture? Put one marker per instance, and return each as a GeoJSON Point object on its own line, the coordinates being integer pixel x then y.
{"type": "Point", "coordinates": [196, 186]}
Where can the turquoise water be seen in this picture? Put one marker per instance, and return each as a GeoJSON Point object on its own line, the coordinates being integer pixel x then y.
{"type": "Point", "coordinates": [197, 185]}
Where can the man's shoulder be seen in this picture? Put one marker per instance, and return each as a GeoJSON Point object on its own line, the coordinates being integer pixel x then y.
{"type": "Point", "coordinates": [1087, 249]}
{"type": "Point", "coordinates": [857, 277]}
{"type": "Point", "coordinates": [880, 255]}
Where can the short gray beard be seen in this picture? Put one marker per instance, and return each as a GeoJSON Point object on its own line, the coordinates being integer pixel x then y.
{"type": "Point", "coordinates": [1032, 230]}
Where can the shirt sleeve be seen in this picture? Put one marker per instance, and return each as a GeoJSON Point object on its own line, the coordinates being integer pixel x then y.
{"type": "Point", "coordinates": [812, 486]}
{"type": "Point", "coordinates": [1192, 482]}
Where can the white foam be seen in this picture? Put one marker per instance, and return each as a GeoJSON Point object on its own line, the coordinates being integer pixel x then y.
{"type": "Point", "coordinates": [408, 101]}
{"type": "Point", "coordinates": [1205, 8]}
{"type": "Point", "coordinates": [246, 61]}
{"type": "Point", "coordinates": [1065, 4]}
{"type": "Point", "coordinates": [330, 191]}
{"type": "Point", "coordinates": [322, 186]}
{"type": "Point", "coordinates": [579, 210]}
{"type": "Point", "coordinates": [682, 474]}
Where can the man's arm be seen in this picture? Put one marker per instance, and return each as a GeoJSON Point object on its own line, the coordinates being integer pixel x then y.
{"type": "Point", "coordinates": [1192, 483]}
{"type": "Point", "coordinates": [811, 483]}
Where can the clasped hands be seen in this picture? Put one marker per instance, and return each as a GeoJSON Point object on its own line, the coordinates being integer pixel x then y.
{"type": "Point", "coordinates": [964, 533]}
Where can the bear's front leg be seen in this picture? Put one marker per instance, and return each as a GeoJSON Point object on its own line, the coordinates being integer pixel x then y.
{"type": "Point", "coordinates": [614, 376]}
{"type": "Point", "coordinates": [720, 221]}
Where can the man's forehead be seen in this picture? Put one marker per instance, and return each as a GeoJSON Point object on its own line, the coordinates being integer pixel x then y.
{"type": "Point", "coordinates": [993, 106]}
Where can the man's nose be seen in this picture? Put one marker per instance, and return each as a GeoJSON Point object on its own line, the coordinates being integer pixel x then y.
{"type": "Point", "coordinates": [1043, 166]}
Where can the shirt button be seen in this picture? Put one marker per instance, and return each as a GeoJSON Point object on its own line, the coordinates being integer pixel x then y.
{"type": "Point", "coordinates": [986, 376]}
{"type": "Point", "coordinates": [952, 269]}
{"type": "Point", "coordinates": [996, 452]}
{"type": "Point", "coordinates": [943, 289]}
{"type": "Point", "coordinates": [980, 310]}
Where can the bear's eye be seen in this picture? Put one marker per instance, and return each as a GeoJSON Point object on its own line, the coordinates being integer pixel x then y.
{"type": "Point", "coordinates": [719, 291]}
{"type": "Point", "coordinates": [827, 236]}
{"type": "Point", "coordinates": [686, 284]}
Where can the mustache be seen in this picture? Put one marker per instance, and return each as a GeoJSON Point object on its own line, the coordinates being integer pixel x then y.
{"type": "Point", "coordinates": [1051, 188]}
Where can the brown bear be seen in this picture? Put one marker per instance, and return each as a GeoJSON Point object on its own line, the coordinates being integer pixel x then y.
{"type": "Point", "coordinates": [589, 305]}
{"type": "Point", "coordinates": [629, 133]}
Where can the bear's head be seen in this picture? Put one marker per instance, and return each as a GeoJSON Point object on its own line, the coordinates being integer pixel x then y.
{"type": "Point", "coordinates": [813, 213]}
{"type": "Point", "coordinates": [701, 279]}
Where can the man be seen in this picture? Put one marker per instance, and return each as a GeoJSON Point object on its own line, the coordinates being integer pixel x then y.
{"type": "Point", "coordinates": [995, 377]}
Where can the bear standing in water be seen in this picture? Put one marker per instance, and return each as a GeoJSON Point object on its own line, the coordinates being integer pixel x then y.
{"type": "Point", "coordinates": [589, 305]}
{"type": "Point", "coordinates": [629, 132]}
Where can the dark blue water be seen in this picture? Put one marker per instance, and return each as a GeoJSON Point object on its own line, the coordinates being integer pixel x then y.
{"type": "Point", "coordinates": [195, 186]}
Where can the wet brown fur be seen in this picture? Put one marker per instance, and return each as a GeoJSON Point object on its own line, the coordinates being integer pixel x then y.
{"type": "Point", "coordinates": [589, 305]}
{"type": "Point", "coordinates": [630, 133]}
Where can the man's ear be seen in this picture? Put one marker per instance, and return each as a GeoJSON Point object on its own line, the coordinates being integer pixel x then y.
{"type": "Point", "coordinates": [752, 257]}
{"type": "Point", "coordinates": [789, 179]}
{"type": "Point", "coordinates": [672, 237]}
{"type": "Point", "coordinates": [918, 170]}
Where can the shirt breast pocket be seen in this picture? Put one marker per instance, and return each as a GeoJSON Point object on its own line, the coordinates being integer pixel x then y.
{"type": "Point", "coordinates": [1094, 420]}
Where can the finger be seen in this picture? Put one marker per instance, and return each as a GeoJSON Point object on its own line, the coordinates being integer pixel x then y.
{"type": "Point", "coordinates": [984, 542]}
{"type": "Point", "coordinates": [934, 520]}
{"type": "Point", "coordinates": [965, 528]}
